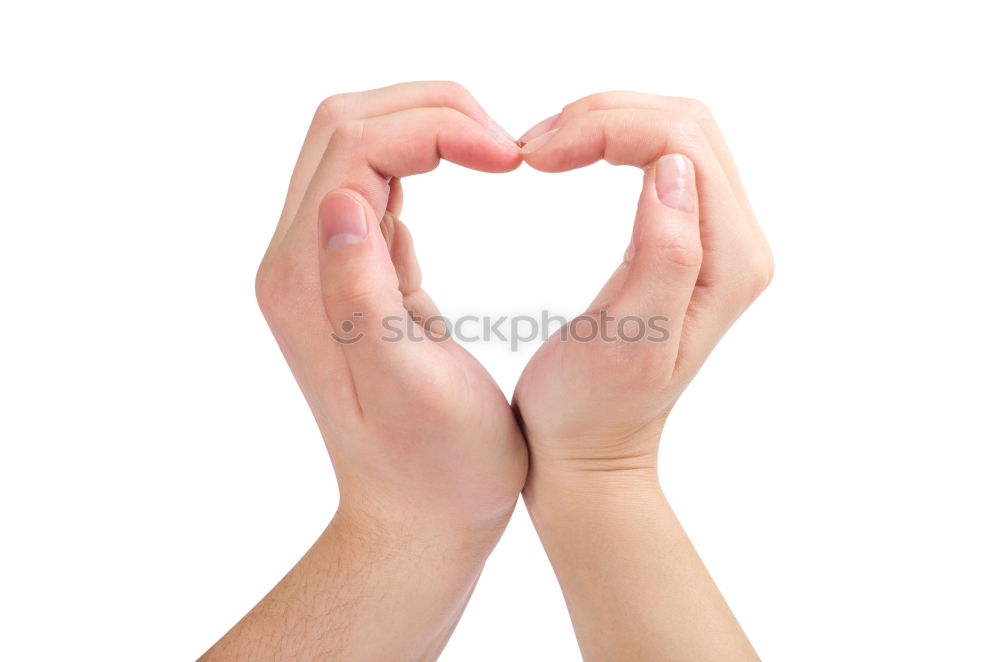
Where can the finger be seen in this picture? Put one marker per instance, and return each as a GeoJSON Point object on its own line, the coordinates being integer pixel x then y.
{"type": "Point", "coordinates": [289, 280]}
{"type": "Point", "coordinates": [731, 253]}
{"type": "Point", "coordinates": [638, 137]}
{"type": "Point", "coordinates": [404, 258]}
{"type": "Point", "coordinates": [620, 136]}
{"type": "Point", "coordinates": [676, 107]}
{"type": "Point", "coordinates": [395, 204]}
{"type": "Point", "coordinates": [663, 264]}
{"type": "Point", "coordinates": [360, 293]}
{"type": "Point", "coordinates": [365, 155]}
{"type": "Point", "coordinates": [341, 108]}
{"type": "Point", "coordinates": [637, 100]}
{"type": "Point", "coordinates": [360, 161]}
{"type": "Point", "coordinates": [368, 155]}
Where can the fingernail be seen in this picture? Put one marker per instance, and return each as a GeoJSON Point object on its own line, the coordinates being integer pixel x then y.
{"type": "Point", "coordinates": [341, 221]}
{"type": "Point", "coordinates": [538, 129]}
{"type": "Point", "coordinates": [499, 133]}
{"type": "Point", "coordinates": [675, 183]}
{"type": "Point", "coordinates": [535, 144]}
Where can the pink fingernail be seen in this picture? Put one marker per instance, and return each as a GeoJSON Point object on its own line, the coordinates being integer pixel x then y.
{"type": "Point", "coordinates": [675, 183]}
{"type": "Point", "coordinates": [341, 221]}
{"type": "Point", "coordinates": [535, 144]}
{"type": "Point", "coordinates": [538, 129]}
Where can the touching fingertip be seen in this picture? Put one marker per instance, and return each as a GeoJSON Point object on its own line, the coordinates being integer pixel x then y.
{"type": "Point", "coordinates": [500, 134]}
{"type": "Point", "coordinates": [540, 128]}
{"type": "Point", "coordinates": [537, 143]}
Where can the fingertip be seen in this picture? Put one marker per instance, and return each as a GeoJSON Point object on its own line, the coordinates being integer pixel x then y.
{"type": "Point", "coordinates": [562, 148]}
{"type": "Point", "coordinates": [511, 148]}
{"type": "Point", "coordinates": [675, 183]}
{"type": "Point", "coordinates": [538, 142]}
{"type": "Point", "coordinates": [542, 127]}
{"type": "Point", "coordinates": [501, 134]}
{"type": "Point", "coordinates": [482, 150]}
{"type": "Point", "coordinates": [540, 153]}
{"type": "Point", "coordinates": [343, 220]}
{"type": "Point", "coordinates": [513, 162]}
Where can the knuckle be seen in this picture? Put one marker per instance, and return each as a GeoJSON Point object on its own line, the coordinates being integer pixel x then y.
{"type": "Point", "coordinates": [603, 100]}
{"type": "Point", "coordinates": [688, 118]}
{"type": "Point", "coordinates": [348, 301]}
{"type": "Point", "coordinates": [347, 134]}
{"type": "Point", "coordinates": [275, 286]}
{"type": "Point", "coordinates": [701, 113]}
{"type": "Point", "coordinates": [264, 289]}
{"type": "Point", "coordinates": [686, 125]}
{"type": "Point", "coordinates": [760, 273]}
{"type": "Point", "coordinates": [330, 112]}
{"type": "Point", "coordinates": [588, 102]}
{"type": "Point", "coordinates": [695, 107]}
{"type": "Point", "coordinates": [592, 102]}
{"type": "Point", "coordinates": [454, 91]}
{"type": "Point", "coordinates": [678, 247]}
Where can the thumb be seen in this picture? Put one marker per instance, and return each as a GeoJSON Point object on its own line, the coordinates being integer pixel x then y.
{"type": "Point", "coordinates": [359, 286]}
{"type": "Point", "coordinates": [665, 253]}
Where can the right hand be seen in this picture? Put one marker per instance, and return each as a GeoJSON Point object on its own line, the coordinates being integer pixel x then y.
{"type": "Point", "coordinates": [697, 259]}
{"type": "Point", "coordinates": [593, 411]}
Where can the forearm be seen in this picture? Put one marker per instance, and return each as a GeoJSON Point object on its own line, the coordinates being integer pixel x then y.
{"type": "Point", "coordinates": [633, 583]}
{"type": "Point", "coordinates": [364, 592]}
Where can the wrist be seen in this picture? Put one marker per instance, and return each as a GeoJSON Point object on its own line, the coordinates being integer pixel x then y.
{"type": "Point", "coordinates": [593, 470]}
{"type": "Point", "coordinates": [581, 491]}
{"type": "Point", "coordinates": [619, 449]}
{"type": "Point", "coordinates": [399, 529]}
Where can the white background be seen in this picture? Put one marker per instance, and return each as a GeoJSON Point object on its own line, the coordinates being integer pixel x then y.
{"type": "Point", "coordinates": [835, 462]}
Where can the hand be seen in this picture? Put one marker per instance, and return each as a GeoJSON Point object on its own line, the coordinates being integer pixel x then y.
{"type": "Point", "coordinates": [428, 455]}
{"type": "Point", "coordinates": [593, 409]}
{"type": "Point", "coordinates": [697, 259]}
{"type": "Point", "coordinates": [418, 431]}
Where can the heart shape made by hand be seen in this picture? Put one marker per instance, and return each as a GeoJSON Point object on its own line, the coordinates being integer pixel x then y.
{"type": "Point", "coordinates": [341, 263]}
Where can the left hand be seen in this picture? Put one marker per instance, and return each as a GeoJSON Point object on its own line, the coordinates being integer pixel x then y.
{"type": "Point", "coordinates": [419, 434]}
{"type": "Point", "coordinates": [428, 456]}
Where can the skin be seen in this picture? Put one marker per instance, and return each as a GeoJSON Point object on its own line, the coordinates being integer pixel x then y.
{"type": "Point", "coordinates": [593, 412]}
{"type": "Point", "coordinates": [429, 456]}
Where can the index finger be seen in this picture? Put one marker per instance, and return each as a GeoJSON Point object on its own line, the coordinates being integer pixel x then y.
{"type": "Point", "coordinates": [341, 108]}
{"type": "Point", "coordinates": [365, 155]}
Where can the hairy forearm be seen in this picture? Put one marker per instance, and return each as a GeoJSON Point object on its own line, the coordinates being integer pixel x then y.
{"type": "Point", "coordinates": [634, 585]}
{"type": "Point", "coordinates": [364, 592]}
